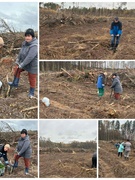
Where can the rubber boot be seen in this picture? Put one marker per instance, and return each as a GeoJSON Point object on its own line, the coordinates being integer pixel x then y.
{"type": "Point", "coordinates": [31, 92]}
{"type": "Point", "coordinates": [111, 47]}
{"type": "Point", "coordinates": [15, 82]}
{"type": "Point", "coordinates": [15, 165]}
{"type": "Point", "coordinates": [26, 171]}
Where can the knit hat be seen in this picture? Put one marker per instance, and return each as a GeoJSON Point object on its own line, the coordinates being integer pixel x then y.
{"type": "Point", "coordinates": [1, 41]}
{"type": "Point", "coordinates": [24, 131]}
{"type": "Point", "coordinates": [114, 74]}
{"type": "Point", "coordinates": [30, 32]}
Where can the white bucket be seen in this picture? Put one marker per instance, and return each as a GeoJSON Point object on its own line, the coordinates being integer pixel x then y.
{"type": "Point", "coordinates": [46, 101]}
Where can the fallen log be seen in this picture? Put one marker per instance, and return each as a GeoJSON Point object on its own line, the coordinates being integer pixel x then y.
{"type": "Point", "coordinates": [129, 78]}
{"type": "Point", "coordinates": [66, 72]}
{"type": "Point", "coordinates": [31, 108]}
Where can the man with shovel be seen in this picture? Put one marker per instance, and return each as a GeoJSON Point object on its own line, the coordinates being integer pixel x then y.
{"type": "Point", "coordinates": [115, 32]}
{"type": "Point", "coordinates": [116, 86]}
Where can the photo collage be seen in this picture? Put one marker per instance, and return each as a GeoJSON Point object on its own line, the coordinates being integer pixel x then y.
{"type": "Point", "coordinates": [67, 83]}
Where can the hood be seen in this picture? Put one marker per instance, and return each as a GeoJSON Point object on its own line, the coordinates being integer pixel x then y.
{"type": "Point", "coordinates": [24, 139]}
{"type": "Point", "coordinates": [117, 77]}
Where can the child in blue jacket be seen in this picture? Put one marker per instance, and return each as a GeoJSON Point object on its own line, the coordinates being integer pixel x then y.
{"type": "Point", "coordinates": [120, 149]}
{"type": "Point", "coordinates": [115, 32]}
{"type": "Point", "coordinates": [101, 84]}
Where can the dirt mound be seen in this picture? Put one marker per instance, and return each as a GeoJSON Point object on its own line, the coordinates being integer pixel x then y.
{"type": "Point", "coordinates": [66, 165]}
{"type": "Point", "coordinates": [72, 36]}
{"type": "Point", "coordinates": [112, 166]}
{"type": "Point", "coordinates": [76, 97]}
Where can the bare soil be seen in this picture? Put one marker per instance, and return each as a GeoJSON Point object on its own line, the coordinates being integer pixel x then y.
{"type": "Point", "coordinates": [112, 166]}
{"type": "Point", "coordinates": [15, 106]}
{"type": "Point", "coordinates": [83, 37]}
{"type": "Point", "coordinates": [74, 99]}
{"type": "Point", "coordinates": [66, 165]}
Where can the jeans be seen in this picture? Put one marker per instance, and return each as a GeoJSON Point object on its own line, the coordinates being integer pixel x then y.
{"type": "Point", "coordinates": [115, 40]}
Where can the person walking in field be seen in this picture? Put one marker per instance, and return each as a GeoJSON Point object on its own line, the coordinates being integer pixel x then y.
{"type": "Point", "coordinates": [127, 145]}
{"type": "Point", "coordinates": [94, 160]}
{"type": "Point", "coordinates": [3, 152]}
{"type": "Point", "coordinates": [120, 149]}
{"type": "Point", "coordinates": [27, 61]}
{"type": "Point", "coordinates": [101, 84]}
{"type": "Point", "coordinates": [115, 32]}
{"type": "Point", "coordinates": [116, 86]}
{"type": "Point", "coordinates": [23, 150]}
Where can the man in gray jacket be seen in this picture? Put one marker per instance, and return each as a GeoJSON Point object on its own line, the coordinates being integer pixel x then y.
{"type": "Point", "coordinates": [23, 150]}
{"type": "Point", "coordinates": [116, 85]}
{"type": "Point", "coordinates": [127, 146]}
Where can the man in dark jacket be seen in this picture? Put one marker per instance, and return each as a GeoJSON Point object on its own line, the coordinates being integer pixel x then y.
{"type": "Point", "coordinates": [94, 160]}
{"type": "Point", "coordinates": [27, 61]}
{"type": "Point", "coordinates": [3, 152]}
{"type": "Point", "coordinates": [24, 150]}
{"type": "Point", "coordinates": [115, 32]}
{"type": "Point", "coordinates": [116, 85]}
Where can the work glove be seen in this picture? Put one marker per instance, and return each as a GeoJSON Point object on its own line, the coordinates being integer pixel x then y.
{"type": "Point", "coordinates": [112, 35]}
{"type": "Point", "coordinates": [20, 66]}
{"type": "Point", "coordinates": [6, 162]}
{"type": "Point", "coordinates": [117, 35]}
{"type": "Point", "coordinates": [103, 85]}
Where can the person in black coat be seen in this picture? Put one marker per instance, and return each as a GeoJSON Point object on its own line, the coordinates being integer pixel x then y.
{"type": "Point", "coordinates": [3, 152]}
{"type": "Point", "coordinates": [94, 160]}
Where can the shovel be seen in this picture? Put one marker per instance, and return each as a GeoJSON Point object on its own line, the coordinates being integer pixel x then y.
{"type": "Point", "coordinates": [10, 87]}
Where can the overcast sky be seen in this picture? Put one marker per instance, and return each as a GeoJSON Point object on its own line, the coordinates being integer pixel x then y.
{"type": "Point", "coordinates": [18, 125]}
{"type": "Point", "coordinates": [130, 5]}
{"type": "Point", "coordinates": [20, 15]}
{"type": "Point", "coordinates": [68, 130]}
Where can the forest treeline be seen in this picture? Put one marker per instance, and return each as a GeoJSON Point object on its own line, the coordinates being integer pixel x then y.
{"type": "Point", "coordinates": [68, 65]}
{"type": "Point", "coordinates": [114, 130]}
{"type": "Point", "coordinates": [119, 10]}
{"type": "Point", "coordinates": [47, 143]}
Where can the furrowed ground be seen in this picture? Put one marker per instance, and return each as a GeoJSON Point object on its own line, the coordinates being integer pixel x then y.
{"type": "Point", "coordinates": [66, 165]}
{"type": "Point", "coordinates": [112, 166]}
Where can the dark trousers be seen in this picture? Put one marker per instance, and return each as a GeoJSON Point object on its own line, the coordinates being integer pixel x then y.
{"type": "Point", "coordinates": [94, 162]}
{"type": "Point", "coordinates": [115, 41]}
{"type": "Point", "coordinates": [119, 154]}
